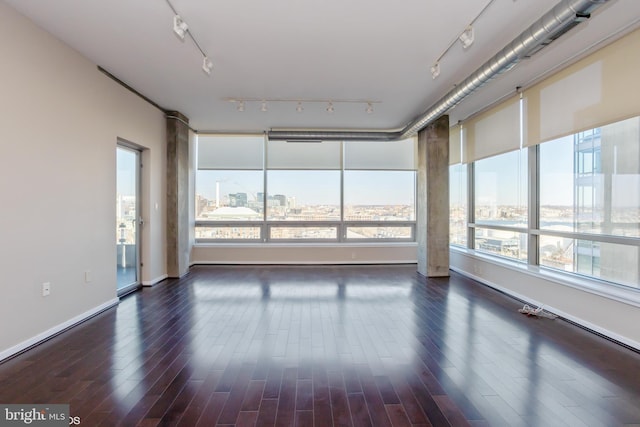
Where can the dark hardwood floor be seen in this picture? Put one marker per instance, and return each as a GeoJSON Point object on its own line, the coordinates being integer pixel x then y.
{"type": "Point", "coordinates": [327, 345]}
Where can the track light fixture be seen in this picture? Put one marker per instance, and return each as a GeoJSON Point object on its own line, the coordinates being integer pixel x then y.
{"type": "Point", "coordinates": [435, 70]}
{"type": "Point", "coordinates": [207, 65]}
{"type": "Point", "coordinates": [467, 37]}
{"type": "Point", "coordinates": [181, 30]}
{"type": "Point", "coordinates": [180, 27]}
{"type": "Point", "coordinates": [330, 103]}
{"type": "Point", "coordinates": [330, 108]}
{"type": "Point", "coordinates": [369, 109]}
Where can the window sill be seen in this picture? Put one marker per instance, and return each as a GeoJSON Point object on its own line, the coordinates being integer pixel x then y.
{"type": "Point", "coordinates": [304, 244]}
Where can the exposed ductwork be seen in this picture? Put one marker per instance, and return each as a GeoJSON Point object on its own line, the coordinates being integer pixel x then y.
{"type": "Point", "coordinates": [553, 24]}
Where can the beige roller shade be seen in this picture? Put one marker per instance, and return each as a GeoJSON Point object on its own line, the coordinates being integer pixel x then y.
{"type": "Point", "coordinates": [304, 155]}
{"type": "Point", "coordinates": [395, 155]}
{"type": "Point", "coordinates": [495, 131]}
{"type": "Point", "coordinates": [455, 151]}
{"type": "Point", "coordinates": [230, 152]}
{"type": "Point", "coordinates": [599, 89]}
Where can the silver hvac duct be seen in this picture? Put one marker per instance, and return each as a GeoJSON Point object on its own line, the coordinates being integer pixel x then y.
{"type": "Point", "coordinates": [553, 24]}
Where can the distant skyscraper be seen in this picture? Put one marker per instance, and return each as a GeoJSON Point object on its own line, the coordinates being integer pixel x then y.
{"type": "Point", "coordinates": [281, 198]}
{"type": "Point", "coordinates": [238, 200]}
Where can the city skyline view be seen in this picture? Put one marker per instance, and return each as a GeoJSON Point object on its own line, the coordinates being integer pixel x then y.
{"type": "Point", "coordinates": [314, 187]}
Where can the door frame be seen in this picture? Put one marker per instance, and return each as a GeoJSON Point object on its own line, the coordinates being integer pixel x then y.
{"type": "Point", "coordinates": [134, 148]}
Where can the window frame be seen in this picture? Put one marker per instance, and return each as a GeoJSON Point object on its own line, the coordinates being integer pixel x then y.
{"type": "Point", "coordinates": [535, 232]}
{"type": "Point", "coordinates": [341, 225]}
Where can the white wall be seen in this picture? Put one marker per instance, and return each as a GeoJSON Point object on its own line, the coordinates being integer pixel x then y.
{"type": "Point", "coordinates": [610, 310]}
{"type": "Point", "coordinates": [60, 119]}
{"type": "Point", "coordinates": [282, 253]}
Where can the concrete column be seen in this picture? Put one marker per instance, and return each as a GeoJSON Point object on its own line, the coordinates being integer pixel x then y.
{"type": "Point", "coordinates": [177, 194]}
{"type": "Point", "coordinates": [432, 228]}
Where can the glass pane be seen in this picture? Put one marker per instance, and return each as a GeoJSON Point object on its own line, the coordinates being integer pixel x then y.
{"type": "Point", "coordinates": [379, 195]}
{"type": "Point", "coordinates": [303, 195]}
{"type": "Point", "coordinates": [509, 244]}
{"type": "Point", "coordinates": [501, 189]}
{"type": "Point", "coordinates": [372, 232]}
{"type": "Point", "coordinates": [590, 181]}
{"type": "Point", "coordinates": [608, 261]}
{"type": "Point", "coordinates": [126, 217]}
{"type": "Point", "coordinates": [302, 233]}
{"type": "Point", "coordinates": [458, 205]}
{"type": "Point", "coordinates": [229, 195]}
{"type": "Point", "coordinates": [228, 233]}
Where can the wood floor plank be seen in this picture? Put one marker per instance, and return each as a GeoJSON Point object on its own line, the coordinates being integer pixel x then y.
{"type": "Point", "coordinates": [253, 396]}
{"type": "Point", "coordinates": [287, 398]}
{"type": "Point", "coordinates": [327, 345]}
{"type": "Point", "coordinates": [267, 413]}
{"type": "Point", "coordinates": [397, 415]}
{"type": "Point", "coordinates": [237, 394]}
{"type": "Point", "coordinates": [338, 397]}
{"type": "Point", "coordinates": [304, 395]}
{"type": "Point", "coordinates": [322, 415]}
{"type": "Point", "coordinates": [359, 412]}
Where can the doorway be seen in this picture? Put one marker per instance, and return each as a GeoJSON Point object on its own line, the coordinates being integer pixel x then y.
{"type": "Point", "coordinates": [128, 219]}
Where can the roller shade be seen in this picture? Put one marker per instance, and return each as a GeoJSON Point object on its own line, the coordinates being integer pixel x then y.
{"type": "Point", "coordinates": [597, 90]}
{"type": "Point", "coordinates": [230, 152]}
{"type": "Point", "coordinates": [303, 155]}
{"type": "Point", "coordinates": [455, 153]}
{"type": "Point", "coordinates": [495, 131]}
{"type": "Point", "coordinates": [396, 155]}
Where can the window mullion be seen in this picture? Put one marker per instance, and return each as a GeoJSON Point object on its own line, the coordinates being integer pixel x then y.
{"type": "Point", "coordinates": [533, 238]}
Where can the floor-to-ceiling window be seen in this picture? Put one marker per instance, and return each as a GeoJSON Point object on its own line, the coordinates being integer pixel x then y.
{"type": "Point", "coordinates": [590, 202]}
{"type": "Point", "coordinates": [555, 182]}
{"type": "Point", "coordinates": [500, 205]}
{"type": "Point", "coordinates": [587, 203]}
{"type": "Point", "coordinates": [252, 190]}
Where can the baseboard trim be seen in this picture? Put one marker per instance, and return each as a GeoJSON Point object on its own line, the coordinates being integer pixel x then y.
{"type": "Point", "coordinates": [56, 330]}
{"type": "Point", "coordinates": [306, 262]}
{"type": "Point", "coordinates": [612, 336]}
{"type": "Point", "coordinates": [155, 281]}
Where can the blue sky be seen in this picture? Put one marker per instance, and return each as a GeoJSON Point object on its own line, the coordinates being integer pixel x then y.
{"type": "Point", "coordinates": [314, 187]}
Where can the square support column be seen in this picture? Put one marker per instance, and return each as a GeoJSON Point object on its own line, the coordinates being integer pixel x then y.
{"type": "Point", "coordinates": [432, 227]}
{"type": "Point", "coordinates": [177, 194]}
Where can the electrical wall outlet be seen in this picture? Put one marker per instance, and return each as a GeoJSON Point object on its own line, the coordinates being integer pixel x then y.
{"type": "Point", "coordinates": [46, 289]}
{"type": "Point", "coordinates": [87, 276]}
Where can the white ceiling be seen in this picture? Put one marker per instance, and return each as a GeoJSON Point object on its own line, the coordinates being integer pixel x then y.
{"type": "Point", "coordinates": [375, 50]}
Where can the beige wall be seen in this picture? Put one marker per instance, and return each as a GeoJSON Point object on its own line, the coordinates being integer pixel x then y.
{"type": "Point", "coordinates": [274, 253]}
{"type": "Point", "coordinates": [60, 119]}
